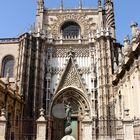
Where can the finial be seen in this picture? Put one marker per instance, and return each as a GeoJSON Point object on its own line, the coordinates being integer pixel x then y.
{"type": "Point", "coordinates": [40, 1]}
{"type": "Point", "coordinates": [40, 6]}
{"type": "Point", "coordinates": [2, 112]}
{"type": "Point", "coordinates": [134, 24]}
{"type": "Point", "coordinates": [41, 116]}
{"type": "Point", "coordinates": [99, 3]}
{"type": "Point", "coordinates": [106, 1]}
{"type": "Point", "coordinates": [3, 115]}
{"type": "Point", "coordinates": [42, 112]}
{"type": "Point", "coordinates": [127, 46]}
{"type": "Point", "coordinates": [134, 27]}
{"type": "Point", "coordinates": [126, 39]}
{"type": "Point", "coordinates": [62, 6]}
{"type": "Point", "coordinates": [80, 4]}
{"type": "Point", "coordinates": [71, 52]}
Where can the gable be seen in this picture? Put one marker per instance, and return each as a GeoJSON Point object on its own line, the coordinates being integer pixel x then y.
{"type": "Point", "coordinates": [71, 77]}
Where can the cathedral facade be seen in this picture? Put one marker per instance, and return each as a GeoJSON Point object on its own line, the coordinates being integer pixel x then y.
{"type": "Point", "coordinates": [71, 56]}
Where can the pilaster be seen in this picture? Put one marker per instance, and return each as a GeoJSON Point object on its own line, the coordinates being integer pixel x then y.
{"type": "Point", "coordinates": [128, 127]}
{"type": "Point", "coordinates": [87, 127]}
{"type": "Point", "coordinates": [29, 52]}
{"type": "Point", "coordinates": [22, 64]}
{"type": "Point", "coordinates": [36, 76]}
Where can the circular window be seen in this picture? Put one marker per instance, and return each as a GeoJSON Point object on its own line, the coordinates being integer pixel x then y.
{"type": "Point", "coordinates": [70, 30]}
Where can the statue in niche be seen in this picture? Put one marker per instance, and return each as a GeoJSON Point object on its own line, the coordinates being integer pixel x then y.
{"type": "Point", "coordinates": [68, 112]}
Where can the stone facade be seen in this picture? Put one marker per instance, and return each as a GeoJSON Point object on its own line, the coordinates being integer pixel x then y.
{"type": "Point", "coordinates": [127, 83]}
{"type": "Point", "coordinates": [71, 55]}
{"type": "Point", "coordinates": [12, 103]}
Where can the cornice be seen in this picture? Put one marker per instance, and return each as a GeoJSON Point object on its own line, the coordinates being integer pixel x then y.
{"type": "Point", "coordinates": [72, 10]}
{"type": "Point", "coordinates": [9, 40]}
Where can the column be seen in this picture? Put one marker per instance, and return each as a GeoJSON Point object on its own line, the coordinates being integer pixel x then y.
{"type": "Point", "coordinates": [36, 77]}
{"type": "Point", "coordinates": [42, 72]}
{"type": "Point", "coordinates": [22, 64]}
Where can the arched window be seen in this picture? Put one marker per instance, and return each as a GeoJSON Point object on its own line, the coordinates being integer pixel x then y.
{"type": "Point", "coordinates": [70, 29]}
{"type": "Point", "coordinates": [8, 66]}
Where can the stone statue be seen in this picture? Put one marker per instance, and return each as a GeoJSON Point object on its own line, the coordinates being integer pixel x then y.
{"type": "Point", "coordinates": [68, 129]}
{"type": "Point", "coordinates": [68, 113]}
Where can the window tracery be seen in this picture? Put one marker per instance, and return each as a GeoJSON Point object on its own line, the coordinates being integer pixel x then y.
{"type": "Point", "coordinates": [70, 29]}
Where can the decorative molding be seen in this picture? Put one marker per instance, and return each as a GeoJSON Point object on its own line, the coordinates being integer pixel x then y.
{"type": "Point", "coordinates": [71, 77]}
{"type": "Point", "coordinates": [63, 51]}
{"type": "Point", "coordinates": [84, 70]}
{"type": "Point", "coordinates": [57, 70]}
{"type": "Point", "coordinates": [79, 18]}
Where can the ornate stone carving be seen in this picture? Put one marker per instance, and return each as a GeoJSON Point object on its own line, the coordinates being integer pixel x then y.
{"type": "Point", "coordinates": [56, 70]}
{"type": "Point", "coordinates": [79, 18]}
{"type": "Point", "coordinates": [84, 70]}
{"type": "Point", "coordinates": [71, 77]}
{"type": "Point", "coordinates": [63, 51]}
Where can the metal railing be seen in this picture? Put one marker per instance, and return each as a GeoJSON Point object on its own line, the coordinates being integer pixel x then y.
{"type": "Point", "coordinates": [137, 129]}
{"type": "Point", "coordinates": [24, 129]}
{"type": "Point", "coordinates": [108, 130]}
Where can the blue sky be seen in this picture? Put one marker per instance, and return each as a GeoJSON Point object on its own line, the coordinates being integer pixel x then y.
{"type": "Point", "coordinates": [16, 16]}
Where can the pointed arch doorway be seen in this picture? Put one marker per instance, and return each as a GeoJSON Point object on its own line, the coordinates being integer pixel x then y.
{"type": "Point", "coordinates": [80, 111]}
